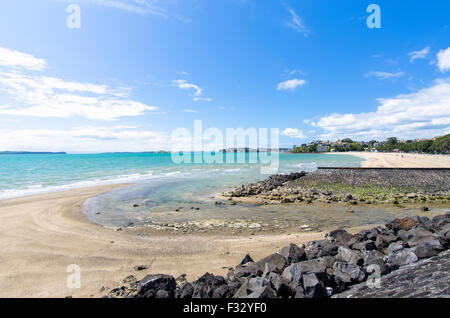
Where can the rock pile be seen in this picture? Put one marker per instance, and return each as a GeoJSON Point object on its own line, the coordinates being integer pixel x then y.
{"type": "Point", "coordinates": [351, 186]}
{"type": "Point", "coordinates": [318, 269]}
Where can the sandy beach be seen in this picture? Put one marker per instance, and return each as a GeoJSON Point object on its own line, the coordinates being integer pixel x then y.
{"type": "Point", "coordinates": [43, 234]}
{"type": "Point", "coordinates": [401, 160]}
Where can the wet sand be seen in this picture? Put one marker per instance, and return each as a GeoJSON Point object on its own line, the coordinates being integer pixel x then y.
{"type": "Point", "coordinates": [43, 234]}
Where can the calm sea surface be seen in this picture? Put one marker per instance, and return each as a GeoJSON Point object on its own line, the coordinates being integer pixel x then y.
{"type": "Point", "coordinates": [165, 192]}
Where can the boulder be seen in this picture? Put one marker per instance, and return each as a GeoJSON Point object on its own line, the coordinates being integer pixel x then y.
{"type": "Point", "coordinates": [247, 259]}
{"type": "Point", "coordinates": [320, 248]}
{"type": "Point", "coordinates": [186, 290]}
{"type": "Point", "coordinates": [315, 266]}
{"type": "Point", "coordinates": [339, 236]}
{"type": "Point", "coordinates": [163, 294]}
{"type": "Point", "coordinates": [263, 292]}
{"type": "Point", "coordinates": [425, 250]}
{"type": "Point", "coordinates": [251, 285]}
{"type": "Point", "coordinates": [293, 274]}
{"type": "Point", "coordinates": [401, 258]}
{"type": "Point", "coordinates": [403, 224]}
{"type": "Point", "coordinates": [222, 291]}
{"type": "Point", "coordinates": [205, 286]}
{"type": "Point", "coordinates": [151, 284]}
{"type": "Point", "coordinates": [313, 287]}
{"type": "Point", "coordinates": [383, 240]}
{"type": "Point", "coordinates": [292, 253]}
{"type": "Point", "coordinates": [364, 246]}
{"type": "Point", "coordinates": [348, 273]}
{"type": "Point", "coordinates": [394, 248]}
{"type": "Point", "coordinates": [350, 256]}
{"type": "Point", "coordinates": [375, 258]}
{"type": "Point", "coordinates": [249, 269]}
{"type": "Point", "coordinates": [276, 263]}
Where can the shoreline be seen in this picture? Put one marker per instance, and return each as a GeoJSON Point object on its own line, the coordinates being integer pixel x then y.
{"type": "Point", "coordinates": [42, 235]}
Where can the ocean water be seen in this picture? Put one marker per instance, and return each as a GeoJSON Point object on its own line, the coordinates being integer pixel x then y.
{"type": "Point", "coordinates": [32, 174]}
{"type": "Point", "coordinates": [163, 192]}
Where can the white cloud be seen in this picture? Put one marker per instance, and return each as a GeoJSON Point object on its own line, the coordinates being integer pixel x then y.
{"type": "Point", "coordinates": [16, 59]}
{"type": "Point", "coordinates": [189, 111]}
{"type": "Point", "coordinates": [384, 75]}
{"type": "Point", "coordinates": [296, 22]}
{"type": "Point", "coordinates": [443, 58]}
{"type": "Point", "coordinates": [84, 139]}
{"type": "Point", "coordinates": [142, 7]}
{"type": "Point", "coordinates": [425, 113]}
{"type": "Point", "coordinates": [42, 96]}
{"type": "Point", "coordinates": [198, 92]}
{"type": "Point", "coordinates": [293, 133]}
{"type": "Point", "coordinates": [290, 84]}
{"type": "Point", "coordinates": [421, 54]}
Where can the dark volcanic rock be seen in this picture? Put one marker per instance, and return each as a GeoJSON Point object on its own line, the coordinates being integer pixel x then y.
{"type": "Point", "coordinates": [350, 256]}
{"type": "Point", "coordinates": [425, 250]}
{"type": "Point", "coordinates": [401, 257]}
{"type": "Point", "coordinates": [247, 259]}
{"type": "Point", "coordinates": [375, 258]}
{"type": "Point", "coordinates": [320, 248]}
{"type": "Point", "coordinates": [186, 290]}
{"type": "Point", "coordinates": [313, 287]}
{"type": "Point", "coordinates": [427, 278]}
{"type": "Point", "coordinates": [326, 266]}
{"type": "Point", "coordinates": [205, 286]}
{"type": "Point", "coordinates": [293, 254]}
{"type": "Point", "coordinates": [365, 246]}
{"type": "Point", "coordinates": [293, 274]}
{"type": "Point", "coordinates": [342, 237]}
{"type": "Point", "coordinates": [347, 273]}
{"type": "Point", "coordinates": [150, 284]}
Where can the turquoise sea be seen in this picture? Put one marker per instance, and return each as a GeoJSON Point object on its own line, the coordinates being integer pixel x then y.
{"type": "Point", "coordinates": [37, 173]}
{"type": "Point", "coordinates": [163, 192]}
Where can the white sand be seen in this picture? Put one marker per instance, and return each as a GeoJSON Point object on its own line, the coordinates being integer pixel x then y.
{"type": "Point", "coordinates": [401, 160]}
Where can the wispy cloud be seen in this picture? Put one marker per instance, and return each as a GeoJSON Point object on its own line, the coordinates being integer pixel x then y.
{"type": "Point", "coordinates": [421, 54]}
{"type": "Point", "coordinates": [443, 58]}
{"type": "Point", "coordinates": [18, 59]}
{"type": "Point", "coordinates": [291, 84]}
{"type": "Point", "coordinates": [384, 75]}
{"type": "Point", "coordinates": [423, 113]}
{"type": "Point", "coordinates": [189, 111]}
{"type": "Point", "coordinates": [296, 22]}
{"type": "Point", "coordinates": [293, 133]}
{"type": "Point", "coordinates": [142, 7]}
{"type": "Point", "coordinates": [85, 139]}
{"type": "Point", "coordinates": [43, 96]}
{"type": "Point", "coordinates": [198, 91]}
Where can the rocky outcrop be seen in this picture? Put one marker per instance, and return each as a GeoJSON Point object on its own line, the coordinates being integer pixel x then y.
{"type": "Point", "coordinates": [340, 264]}
{"type": "Point", "coordinates": [351, 186]}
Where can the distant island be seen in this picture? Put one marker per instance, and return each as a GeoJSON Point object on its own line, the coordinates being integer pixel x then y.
{"type": "Point", "coordinates": [30, 153]}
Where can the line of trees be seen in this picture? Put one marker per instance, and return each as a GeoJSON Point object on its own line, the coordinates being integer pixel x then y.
{"type": "Point", "coordinates": [439, 145]}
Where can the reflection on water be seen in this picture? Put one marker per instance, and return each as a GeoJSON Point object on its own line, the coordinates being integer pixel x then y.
{"type": "Point", "coordinates": [188, 197]}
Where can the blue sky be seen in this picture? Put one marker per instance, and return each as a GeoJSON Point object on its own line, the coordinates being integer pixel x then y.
{"type": "Point", "coordinates": [137, 69]}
